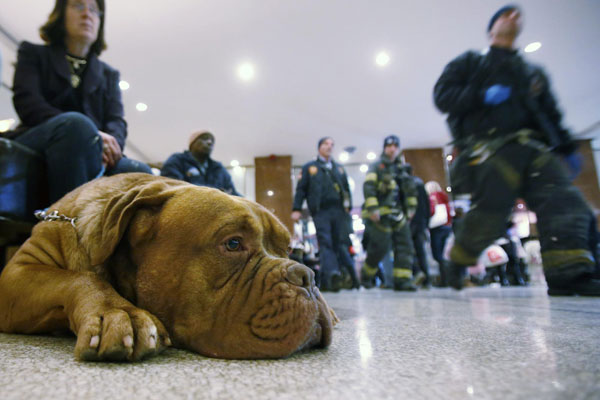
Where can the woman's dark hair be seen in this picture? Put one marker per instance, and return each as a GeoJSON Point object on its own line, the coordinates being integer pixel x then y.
{"type": "Point", "coordinates": [53, 31]}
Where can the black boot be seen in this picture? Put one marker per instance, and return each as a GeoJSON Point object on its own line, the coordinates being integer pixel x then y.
{"type": "Point", "coordinates": [456, 275]}
{"type": "Point", "coordinates": [367, 282]}
{"type": "Point", "coordinates": [572, 279]}
{"type": "Point", "coordinates": [503, 278]}
{"type": "Point", "coordinates": [585, 285]}
{"type": "Point", "coordinates": [443, 274]}
{"type": "Point", "coordinates": [404, 284]}
{"type": "Point", "coordinates": [333, 284]}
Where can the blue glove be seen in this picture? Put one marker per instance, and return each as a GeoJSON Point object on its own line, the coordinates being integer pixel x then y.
{"type": "Point", "coordinates": [496, 94]}
{"type": "Point", "coordinates": [574, 163]}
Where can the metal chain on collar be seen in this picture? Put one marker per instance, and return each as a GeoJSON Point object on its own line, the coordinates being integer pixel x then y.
{"type": "Point", "coordinates": [42, 215]}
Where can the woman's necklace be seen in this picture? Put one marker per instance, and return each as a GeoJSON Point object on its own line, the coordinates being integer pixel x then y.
{"type": "Point", "coordinates": [76, 65]}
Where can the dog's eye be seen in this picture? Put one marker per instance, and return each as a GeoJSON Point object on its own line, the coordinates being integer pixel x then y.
{"type": "Point", "coordinates": [234, 244]}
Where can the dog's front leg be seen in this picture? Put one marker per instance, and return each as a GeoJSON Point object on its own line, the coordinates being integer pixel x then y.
{"type": "Point", "coordinates": [42, 298]}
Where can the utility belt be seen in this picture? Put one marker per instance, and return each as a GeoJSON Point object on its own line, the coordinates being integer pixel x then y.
{"type": "Point", "coordinates": [392, 213]}
{"type": "Point", "coordinates": [478, 150]}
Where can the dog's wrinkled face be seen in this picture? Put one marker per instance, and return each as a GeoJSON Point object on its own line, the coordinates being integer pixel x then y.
{"type": "Point", "coordinates": [214, 269]}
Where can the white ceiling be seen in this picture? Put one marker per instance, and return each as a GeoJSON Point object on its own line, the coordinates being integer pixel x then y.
{"type": "Point", "coordinates": [316, 74]}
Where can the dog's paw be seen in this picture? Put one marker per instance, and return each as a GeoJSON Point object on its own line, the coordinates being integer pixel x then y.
{"type": "Point", "coordinates": [334, 318]}
{"type": "Point", "coordinates": [120, 334]}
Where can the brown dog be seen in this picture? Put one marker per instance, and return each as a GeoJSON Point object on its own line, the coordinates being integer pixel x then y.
{"type": "Point", "coordinates": [149, 260]}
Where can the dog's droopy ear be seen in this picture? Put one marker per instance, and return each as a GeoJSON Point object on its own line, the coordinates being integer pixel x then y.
{"type": "Point", "coordinates": [113, 220]}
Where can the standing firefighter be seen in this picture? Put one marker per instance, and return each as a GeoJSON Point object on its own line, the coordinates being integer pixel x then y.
{"type": "Point", "coordinates": [390, 201]}
{"type": "Point", "coordinates": [507, 128]}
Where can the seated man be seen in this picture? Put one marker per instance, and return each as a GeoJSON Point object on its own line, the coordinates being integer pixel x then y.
{"type": "Point", "coordinates": [195, 165]}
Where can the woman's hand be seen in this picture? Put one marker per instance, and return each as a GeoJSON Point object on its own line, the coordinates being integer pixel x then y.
{"type": "Point", "coordinates": [111, 151]}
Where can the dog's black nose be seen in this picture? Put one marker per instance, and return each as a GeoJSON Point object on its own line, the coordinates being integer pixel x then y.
{"type": "Point", "coordinates": [300, 275]}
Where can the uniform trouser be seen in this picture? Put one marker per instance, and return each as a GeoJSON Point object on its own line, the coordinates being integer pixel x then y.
{"type": "Point", "coordinates": [383, 234]}
{"type": "Point", "coordinates": [419, 239]}
{"type": "Point", "coordinates": [439, 236]}
{"type": "Point", "coordinates": [72, 149]}
{"type": "Point", "coordinates": [537, 176]}
{"type": "Point", "coordinates": [345, 260]}
{"type": "Point", "coordinates": [328, 226]}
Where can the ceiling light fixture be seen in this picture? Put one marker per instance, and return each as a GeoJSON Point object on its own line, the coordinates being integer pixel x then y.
{"type": "Point", "coordinates": [234, 163]}
{"type": "Point", "coordinates": [270, 193]}
{"type": "Point", "coordinates": [364, 168]}
{"type": "Point", "coordinates": [371, 156]}
{"type": "Point", "coordinates": [344, 156]}
{"type": "Point", "coordinates": [531, 47]}
{"type": "Point", "coordinates": [124, 85]}
{"type": "Point", "coordinates": [246, 71]}
{"type": "Point", "coordinates": [141, 107]}
{"type": "Point", "coordinates": [5, 124]}
{"type": "Point", "coordinates": [382, 59]}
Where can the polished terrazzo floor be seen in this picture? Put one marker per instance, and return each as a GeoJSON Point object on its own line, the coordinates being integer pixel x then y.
{"type": "Point", "coordinates": [482, 343]}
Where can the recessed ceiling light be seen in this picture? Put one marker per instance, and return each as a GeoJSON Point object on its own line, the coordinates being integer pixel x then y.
{"type": "Point", "coordinates": [234, 163]}
{"type": "Point", "coordinates": [5, 124]}
{"type": "Point", "coordinates": [364, 168]}
{"type": "Point", "coordinates": [124, 85]}
{"type": "Point", "coordinates": [344, 156]}
{"type": "Point", "coordinates": [270, 193]}
{"type": "Point", "coordinates": [382, 59]}
{"type": "Point", "coordinates": [141, 107]}
{"type": "Point", "coordinates": [371, 156]}
{"type": "Point", "coordinates": [531, 47]}
{"type": "Point", "coordinates": [246, 71]}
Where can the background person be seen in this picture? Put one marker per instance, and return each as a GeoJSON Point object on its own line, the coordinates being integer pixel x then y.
{"type": "Point", "coordinates": [195, 165]}
{"type": "Point", "coordinates": [386, 221]}
{"type": "Point", "coordinates": [419, 225]}
{"type": "Point", "coordinates": [324, 185]}
{"type": "Point", "coordinates": [508, 130]}
{"type": "Point", "coordinates": [69, 102]}
{"type": "Point", "coordinates": [440, 226]}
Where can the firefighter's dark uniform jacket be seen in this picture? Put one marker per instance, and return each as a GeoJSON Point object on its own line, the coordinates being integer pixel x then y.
{"type": "Point", "coordinates": [461, 89]}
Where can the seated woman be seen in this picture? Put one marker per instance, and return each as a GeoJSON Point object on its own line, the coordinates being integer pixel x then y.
{"type": "Point", "coordinates": [69, 102]}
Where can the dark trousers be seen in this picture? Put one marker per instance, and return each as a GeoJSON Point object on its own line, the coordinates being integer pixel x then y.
{"type": "Point", "coordinates": [419, 238]}
{"type": "Point", "coordinates": [522, 170]}
{"type": "Point", "coordinates": [439, 236]}
{"type": "Point", "coordinates": [595, 243]}
{"type": "Point", "coordinates": [72, 149]}
{"type": "Point", "coordinates": [328, 223]}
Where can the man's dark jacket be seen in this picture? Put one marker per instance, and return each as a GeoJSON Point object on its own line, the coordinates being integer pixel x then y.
{"type": "Point", "coordinates": [317, 185]}
{"type": "Point", "coordinates": [184, 166]}
{"type": "Point", "coordinates": [42, 89]}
